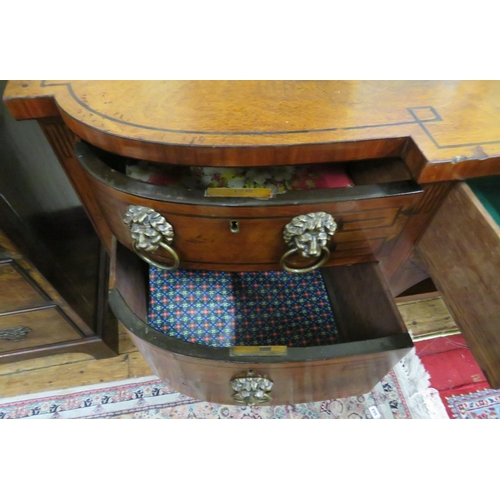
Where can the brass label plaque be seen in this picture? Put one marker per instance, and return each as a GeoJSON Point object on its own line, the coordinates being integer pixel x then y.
{"type": "Point", "coordinates": [222, 192]}
{"type": "Point", "coordinates": [258, 350]}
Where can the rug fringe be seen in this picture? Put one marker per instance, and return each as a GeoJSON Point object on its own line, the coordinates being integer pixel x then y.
{"type": "Point", "coordinates": [423, 401]}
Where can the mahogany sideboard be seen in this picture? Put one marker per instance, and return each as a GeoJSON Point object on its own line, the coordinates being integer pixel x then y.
{"type": "Point", "coordinates": [405, 145]}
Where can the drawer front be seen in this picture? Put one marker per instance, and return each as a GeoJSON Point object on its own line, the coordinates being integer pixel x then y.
{"type": "Point", "coordinates": [461, 251]}
{"type": "Point", "coordinates": [366, 229]}
{"type": "Point", "coordinates": [371, 338]}
{"type": "Point", "coordinates": [34, 328]}
{"type": "Point", "coordinates": [16, 292]}
{"type": "Point", "coordinates": [292, 382]}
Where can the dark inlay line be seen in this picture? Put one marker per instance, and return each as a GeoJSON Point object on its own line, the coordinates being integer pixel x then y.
{"type": "Point", "coordinates": [416, 121]}
{"type": "Point", "coordinates": [204, 132]}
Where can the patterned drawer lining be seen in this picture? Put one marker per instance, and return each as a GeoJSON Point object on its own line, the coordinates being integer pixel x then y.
{"type": "Point", "coordinates": [223, 309]}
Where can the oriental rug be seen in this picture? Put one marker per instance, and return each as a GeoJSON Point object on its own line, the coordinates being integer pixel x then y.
{"type": "Point", "coordinates": [404, 393]}
{"type": "Point", "coordinates": [455, 374]}
{"type": "Point", "coordinates": [483, 404]}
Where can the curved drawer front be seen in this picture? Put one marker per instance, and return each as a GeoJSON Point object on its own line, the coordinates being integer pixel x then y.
{"type": "Point", "coordinates": [292, 382]}
{"type": "Point", "coordinates": [370, 336]}
{"type": "Point", "coordinates": [247, 234]}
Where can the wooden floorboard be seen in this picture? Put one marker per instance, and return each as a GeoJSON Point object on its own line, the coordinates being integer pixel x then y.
{"type": "Point", "coordinates": [73, 370]}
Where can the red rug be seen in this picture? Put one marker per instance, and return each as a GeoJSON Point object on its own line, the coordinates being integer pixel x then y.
{"type": "Point", "coordinates": [457, 377]}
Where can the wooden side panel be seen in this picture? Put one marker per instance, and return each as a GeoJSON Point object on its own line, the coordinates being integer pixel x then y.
{"type": "Point", "coordinates": [398, 272]}
{"type": "Point", "coordinates": [62, 141]}
{"type": "Point", "coordinates": [362, 305]}
{"type": "Point", "coordinates": [129, 276]}
{"type": "Point", "coordinates": [461, 250]}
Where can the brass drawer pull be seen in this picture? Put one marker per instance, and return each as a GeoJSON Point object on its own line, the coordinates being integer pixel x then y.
{"type": "Point", "coordinates": [308, 234]}
{"type": "Point", "coordinates": [150, 230]}
{"type": "Point", "coordinates": [251, 390]}
{"type": "Point", "coordinates": [16, 334]}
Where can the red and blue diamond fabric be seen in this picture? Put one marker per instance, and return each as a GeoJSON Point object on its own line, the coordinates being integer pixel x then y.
{"type": "Point", "coordinates": [223, 309]}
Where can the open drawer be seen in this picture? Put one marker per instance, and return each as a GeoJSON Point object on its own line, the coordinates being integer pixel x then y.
{"type": "Point", "coordinates": [372, 338]}
{"type": "Point", "coordinates": [247, 233]}
{"type": "Point", "coordinates": [461, 251]}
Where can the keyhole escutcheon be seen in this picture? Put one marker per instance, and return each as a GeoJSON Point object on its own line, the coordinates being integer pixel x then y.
{"type": "Point", "coordinates": [234, 226]}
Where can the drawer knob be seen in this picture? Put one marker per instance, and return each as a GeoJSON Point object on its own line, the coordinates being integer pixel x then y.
{"type": "Point", "coordinates": [308, 235]}
{"type": "Point", "coordinates": [150, 230]}
{"type": "Point", "coordinates": [252, 389]}
{"type": "Point", "coordinates": [15, 334]}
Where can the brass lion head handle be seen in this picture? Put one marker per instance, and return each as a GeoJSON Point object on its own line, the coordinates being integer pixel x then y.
{"type": "Point", "coordinates": [309, 235]}
{"type": "Point", "coordinates": [149, 231]}
{"type": "Point", "coordinates": [251, 390]}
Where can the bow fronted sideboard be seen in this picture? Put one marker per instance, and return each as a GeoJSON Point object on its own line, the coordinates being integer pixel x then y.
{"type": "Point", "coordinates": [353, 187]}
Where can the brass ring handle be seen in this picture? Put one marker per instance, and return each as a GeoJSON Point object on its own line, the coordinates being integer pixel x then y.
{"type": "Point", "coordinates": [150, 230]}
{"type": "Point", "coordinates": [157, 264]}
{"type": "Point", "coordinates": [309, 235]}
{"type": "Point", "coordinates": [325, 255]}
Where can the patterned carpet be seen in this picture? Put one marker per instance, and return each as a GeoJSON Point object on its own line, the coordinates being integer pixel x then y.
{"type": "Point", "coordinates": [457, 377]}
{"type": "Point", "coordinates": [475, 405]}
{"type": "Point", "coordinates": [404, 393]}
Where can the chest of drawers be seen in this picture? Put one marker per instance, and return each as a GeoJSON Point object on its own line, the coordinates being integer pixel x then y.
{"type": "Point", "coordinates": [42, 310]}
{"type": "Point", "coordinates": [397, 140]}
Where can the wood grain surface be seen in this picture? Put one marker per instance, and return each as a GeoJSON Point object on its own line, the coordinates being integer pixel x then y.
{"type": "Point", "coordinates": [61, 371]}
{"type": "Point", "coordinates": [366, 229]}
{"type": "Point", "coordinates": [16, 291]}
{"type": "Point", "coordinates": [446, 130]}
{"type": "Point", "coordinates": [293, 383]}
{"type": "Point", "coordinates": [461, 250]}
{"type": "Point", "coordinates": [47, 326]}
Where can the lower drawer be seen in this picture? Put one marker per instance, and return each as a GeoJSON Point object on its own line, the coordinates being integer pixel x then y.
{"type": "Point", "coordinates": [461, 251]}
{"type": "Point", "coordinates": [16, 291]}
{"type": "Point", "coordinates": [372, 338]}
{"type": "Point", "coordinates": [34, 328]}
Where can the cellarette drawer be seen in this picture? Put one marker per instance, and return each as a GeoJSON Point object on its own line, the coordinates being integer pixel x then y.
{"type": "Point", "coordinates": [371, 338]}
{"type": "Point", "coordinates": [238, 234]}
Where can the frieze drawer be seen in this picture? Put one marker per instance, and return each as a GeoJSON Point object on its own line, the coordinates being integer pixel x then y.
{"type": "Point", "coordinates": [241, 233]}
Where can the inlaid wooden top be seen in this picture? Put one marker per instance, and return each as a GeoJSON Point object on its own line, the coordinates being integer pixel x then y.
{"type": "Point", "coordinates": [444, 130]}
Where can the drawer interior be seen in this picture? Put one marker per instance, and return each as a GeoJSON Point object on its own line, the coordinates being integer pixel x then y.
{"type": "Point", "coordinates": [352, 312]}
{"type": "Point", "coordinates": [363, 179]}
{"type": "Point", "coordinates": [225, 309]}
